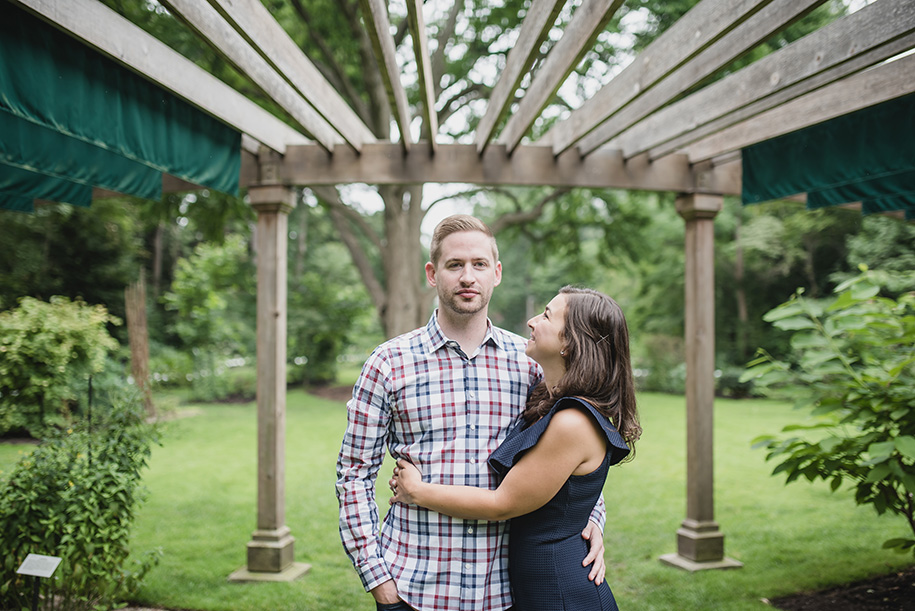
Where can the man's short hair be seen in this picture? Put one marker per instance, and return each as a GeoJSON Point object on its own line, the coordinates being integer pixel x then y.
{"type": "Point", "coordinates": [455, 224]}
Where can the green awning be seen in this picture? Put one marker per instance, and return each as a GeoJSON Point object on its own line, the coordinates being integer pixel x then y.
{"type": "Point", "coordinates": [867, 156]}
{"type": "Point", "coordinates": [18, 187]}
{"type": "Point", "coordinates": [72, 119]}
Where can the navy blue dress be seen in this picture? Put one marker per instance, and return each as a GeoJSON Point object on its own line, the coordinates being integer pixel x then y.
{"type": "Point", "coordinates": [546, 548]}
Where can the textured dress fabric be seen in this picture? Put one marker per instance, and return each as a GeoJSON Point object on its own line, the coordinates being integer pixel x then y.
{"type": "Point", "coordinates": [546, 548]}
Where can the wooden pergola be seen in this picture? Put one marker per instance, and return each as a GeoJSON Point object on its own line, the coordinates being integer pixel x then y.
{"type": "Point", "coordinates": [652, 127]}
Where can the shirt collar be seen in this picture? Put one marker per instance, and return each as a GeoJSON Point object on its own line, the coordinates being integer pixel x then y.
{"type": "Point", "coordinates": [435, 338]}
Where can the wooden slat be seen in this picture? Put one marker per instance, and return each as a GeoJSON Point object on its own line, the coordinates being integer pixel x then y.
{"type": "Point", "coordinates": [789, 93]}
{"type": "Point", "coordinates": [537, 23]}
{"type": "Point", "coordinates": [880, 84]}
{"type": "Point", "coordinates": [587, 22]}
{"type": "Point", "coordinates": [254, 22]}
{"type": "Point", "coordinates": [209, 24]}
{"type": "Point", "coordinates": [696, 30]}
{"type": "Point", "coordinates": [417, 24]}
{"type": "Point", "coordinates": [841, 48]}
{"type": "Point", "coordinates": [379, 29]}
{"type": "Point", "coordinates": [386, 163]}
{"type": "Point", "coordinates": [103, 29]}
{"type": "Point", "coordinates": [760, 26]}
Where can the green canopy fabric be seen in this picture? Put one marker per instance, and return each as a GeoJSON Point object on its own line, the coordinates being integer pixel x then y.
{"type": "Point", "coordinates": [866, 156]}
{"type": "Point", "coordinates": [18, 187]}
{"type": "Point", "coordinates": [72, 119]}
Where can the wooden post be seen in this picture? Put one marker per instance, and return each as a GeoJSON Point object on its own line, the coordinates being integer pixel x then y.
{"type": "Point", "coordinates": [270, 552]}
{"type": "Point", "coordinates": [700, 543]}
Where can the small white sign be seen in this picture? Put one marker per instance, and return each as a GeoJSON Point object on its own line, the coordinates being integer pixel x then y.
{"type": "Point", "coordinates": [38, 565]}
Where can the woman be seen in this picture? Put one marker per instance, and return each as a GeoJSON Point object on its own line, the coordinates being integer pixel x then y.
{"type": "Point", "coordinates": [579, 420]}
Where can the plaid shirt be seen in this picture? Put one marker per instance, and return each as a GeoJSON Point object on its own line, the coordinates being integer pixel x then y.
{"type": "Point", "coordinates": [420, 395]}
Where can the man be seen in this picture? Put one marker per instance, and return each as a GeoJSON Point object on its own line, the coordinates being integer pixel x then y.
{"type": "Point", "coordinates": [442, 396]}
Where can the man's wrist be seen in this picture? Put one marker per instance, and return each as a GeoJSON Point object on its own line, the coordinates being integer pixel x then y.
{"type": "Point", "coordinates": [386, 593]}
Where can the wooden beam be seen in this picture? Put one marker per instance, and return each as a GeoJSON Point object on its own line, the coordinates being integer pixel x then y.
{"type": "Point", "coordinates": [417, 25]}
{"type": "Point", "coordinates": [534, 29]}
{"type": "Point", "coordinates": [379, 29]}
{"type": "Point", "coordinates": [756, 29]}
{"type": "Point", "coordinates": [103, 29]}
{"type": "Point", "coordinates": [833, 52]}
{"type": "Point", "coordinates": [386, 163]}
{"type": "Point", "coordinates": [880, 84]}
{"type": "Point", "coordinates": [696, 30]}
{"type": "Point", "coordinates": [253, 21]}
{"type": "Point", "coordinates": [210, 25]}
{"type": "Point", "coordinates": [587, 22]}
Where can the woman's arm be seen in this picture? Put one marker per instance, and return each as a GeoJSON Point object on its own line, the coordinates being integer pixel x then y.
{"type": "Point", "coordinates": [570, 442]}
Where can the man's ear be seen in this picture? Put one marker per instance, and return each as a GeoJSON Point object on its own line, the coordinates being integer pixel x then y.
{"type": "Point", "coordinates": [498, 273]}
{"type": "Point", "coordinates": [430, 273]}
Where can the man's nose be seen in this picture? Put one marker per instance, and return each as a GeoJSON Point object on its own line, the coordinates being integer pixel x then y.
{"type": "Point", "coordinates": [467, 274]}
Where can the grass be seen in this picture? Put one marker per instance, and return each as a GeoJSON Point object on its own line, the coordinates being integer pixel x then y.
{"type": "Point", "coordinates": [201, 511]}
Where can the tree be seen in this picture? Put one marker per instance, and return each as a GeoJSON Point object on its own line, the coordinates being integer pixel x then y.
{"type": "Point", "coordinates": [213, 297]}
{"type": "Point", "coordinates": [852, 368]}
{"type": "Point", "coordinates": [81, 253]}
{"type": "Point", "coordinates": [328, 309]}
{"type": "Point", "coordinates": [468, 42]}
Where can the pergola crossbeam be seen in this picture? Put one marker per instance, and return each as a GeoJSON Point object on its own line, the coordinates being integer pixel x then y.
{"type": "Point", "coordinates": [386, 163]}
{"type": "Point", "coordinates": [207, 21]}
{"type": "Point", "coordinates": [764, 23]}
{"type": "Point", "coordinates": [540, 17]}
{"type": "Point", "coordinates": [704, 24]}
{"type": "Point", "coordinates": [868, 88]}
{"type": "Point", "coordinates": [824, 56]}
{"type": "Point", "coordinates": [587, 22]}
{"type": "Point", "coordinates": [103, 29]}
{"type": "Point", "coordinates": [379, 30]}
{"type": "Point", "coordinates": [253, 21]}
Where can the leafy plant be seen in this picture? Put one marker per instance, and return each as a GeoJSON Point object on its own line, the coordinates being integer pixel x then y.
{"type": "Point", "coordinates": [852, 367]}
{"type": "Point", "coordinates": [47, 351]}
{"type": "Point", "coordinates": [213, 295]}
{"type": "Point", "coordinates": [75, 497]}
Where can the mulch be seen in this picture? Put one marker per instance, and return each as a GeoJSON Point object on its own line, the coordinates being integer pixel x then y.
{"type": "Point", "coordinates": [893, 592]}
{"type": "Point", "coordinates": [333, 393]}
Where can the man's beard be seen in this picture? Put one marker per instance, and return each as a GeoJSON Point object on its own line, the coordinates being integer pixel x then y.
{"type": "Point", "coordinates": [457, 305]}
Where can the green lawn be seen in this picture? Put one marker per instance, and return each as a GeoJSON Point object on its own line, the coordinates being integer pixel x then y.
{"type": "Point", "coordinates": [202, 508]}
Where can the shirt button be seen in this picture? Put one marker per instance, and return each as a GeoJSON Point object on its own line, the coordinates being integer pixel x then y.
{"type": "Point", "coordinates": [473, 461]}
{"type": "Point", "coordinates": [473, 427]}
{"type": "Point", "coordinates": [470, 530]}
{"type": "Point", "coordinates": [467, 568]}
{"type": "Point", "coordinates": [472, 395]}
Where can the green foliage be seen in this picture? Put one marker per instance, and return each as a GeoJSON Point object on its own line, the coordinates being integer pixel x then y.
{"type": "Point", "coordinates": [214, 298]}
{"type": "Point", "coordinates": [852, 368]}
{"type": "Point", "coordinates": [80, 253]}
{"type": "Point", "coordinates": [75, 497]}
{"type": "Point", "coordinates": [48, 351]}
{"type": "Point", "coordinates": [328, 307]}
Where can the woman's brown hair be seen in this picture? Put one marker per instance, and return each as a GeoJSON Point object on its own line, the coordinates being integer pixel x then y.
{"type": "Point", "coordinates": [598, 366]}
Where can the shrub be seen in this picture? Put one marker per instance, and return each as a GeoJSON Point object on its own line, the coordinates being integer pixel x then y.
{"type": "Point", "coordinates": [47, 352]}
{"type": "Point", "coordinates": [662, 357]}
{"type": "Point", "coordinates": [75, 497]}
{"type": "Point", "coordinates": [852, 368]}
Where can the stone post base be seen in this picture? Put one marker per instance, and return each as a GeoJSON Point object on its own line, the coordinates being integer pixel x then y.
{"type": "Point", "coordinates": [700, 546]}
{"type": "Point", "coordinates": [270, 558]}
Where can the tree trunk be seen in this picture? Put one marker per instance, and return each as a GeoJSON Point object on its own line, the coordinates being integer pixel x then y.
{"type": "Point", "coordinates": [405, 304]}
{"type": "Point", "coordinates": [157, 258]}
{"type": "Point", "coordinates": [138, 338]}
{"type": "Point", "coordinates": [743, 317]}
